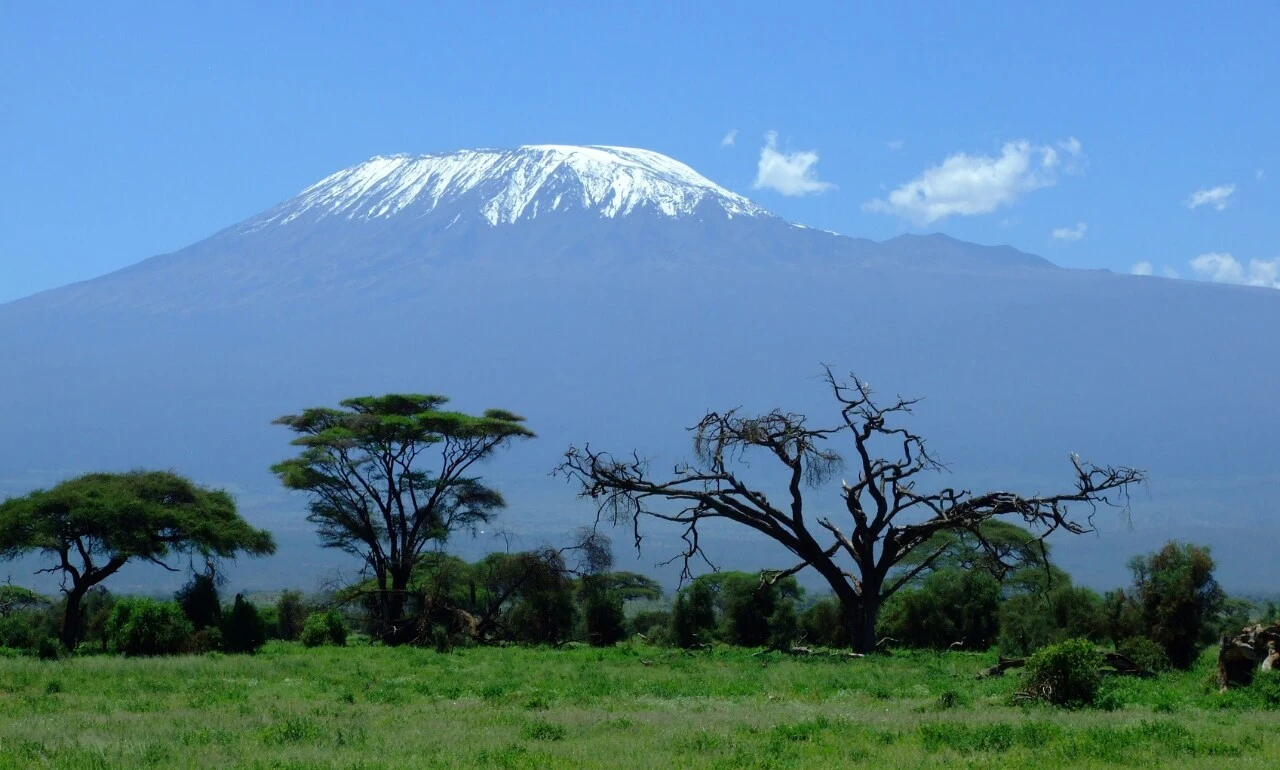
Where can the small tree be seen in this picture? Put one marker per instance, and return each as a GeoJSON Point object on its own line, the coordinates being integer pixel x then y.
{"type": "Point", "coordinates": [95, 524]}
{"type": "Point", "coordinates": [1034, 619]}
{"type": "Point", "coordinates": [141, 626]}
{"type": "Point", "coordinates": [951, 608]}
{"type": "Point", "coordinates": [823, 623]}
{"type": "Point", "coordinates": [243, 630]}
{"type": "Point", "coordinates": [291, 614]}
{"type": "Point", "coordinates": [889, 515]}
{"type": "Point", "coordinates": [602, 612]}
{"type": "Point", "coordinates": [1178, 599]}
{"type": "Point", "coordinates": [694, 615]}
{"type": "Point", "coordinates": [389, 476]}
{"type": "Point", "coordinates": [323, 628]}
{"type": "Point", "coordinates": [200, 602]}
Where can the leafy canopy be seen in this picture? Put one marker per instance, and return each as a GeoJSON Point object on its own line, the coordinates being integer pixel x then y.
{"type": "Point", "coordinates": [370, 497]}
{"type": "Point", "coordinates": [97, 522]}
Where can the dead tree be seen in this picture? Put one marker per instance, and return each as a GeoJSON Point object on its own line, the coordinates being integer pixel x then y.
{"type": "Point", "coordinates": [1241, 656]}
{"type": "Point", "coordinates": [888, 516]}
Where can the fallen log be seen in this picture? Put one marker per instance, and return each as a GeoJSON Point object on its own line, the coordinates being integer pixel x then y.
{"type": "Point", "coordinates": [803, 651]}
{"type": "Point", "coordinates": [1123, 665]}
{"type": "Point", "coordinates": [1120, 665]}
{"type": "Point", "coordinates": [1003, 665]}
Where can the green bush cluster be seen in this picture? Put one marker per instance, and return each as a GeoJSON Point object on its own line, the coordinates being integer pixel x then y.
{"type": "Point", "coordinates": [323, 628]}
{"type": "Point", "coordinates": [142, 626]}
{"type": "Point", "coordinates": [1064, 674]}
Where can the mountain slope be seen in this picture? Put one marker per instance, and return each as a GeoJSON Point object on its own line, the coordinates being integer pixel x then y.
{"type": "Point", "coordinates": [621, 330]}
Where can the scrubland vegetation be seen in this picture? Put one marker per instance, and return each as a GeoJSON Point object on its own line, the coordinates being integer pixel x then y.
{"type": "Point", "coordinates": [632, 705]}
{"type": "Point", "coordinates": [947, 633]}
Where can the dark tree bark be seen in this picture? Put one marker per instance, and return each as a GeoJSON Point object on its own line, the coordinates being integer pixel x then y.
{"type": "Point", "coordinates": [888, 516]}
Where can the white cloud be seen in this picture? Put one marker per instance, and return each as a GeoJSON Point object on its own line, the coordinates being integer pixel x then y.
{"type": "Point", "coordinates": [1071, 233]}
{"type": "Point", "coordinates": [729, 138]}
{"type": "Point", "coordinates": [977, 184]}
{"type": "Point", "coordinates": [895, 145]}
{"type": "Point", "coordinates": [1221, 267]}
{"type": "Point", "coordinates": [1075, 162]}
{"type": "Point", "coordinates": [1260, 174]}
{"type": "Point", "coordinates": [1219, 197]}
{"type": "Point", "coordinates": [1142, 268]}
{"type": "Point", "coordinates": [790, 173]}
{"type": "Point", "coordinates": [1169, 272]}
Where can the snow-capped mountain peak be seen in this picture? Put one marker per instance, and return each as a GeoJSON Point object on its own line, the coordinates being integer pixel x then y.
{"type": "Point", "coordinates": [507, 186]}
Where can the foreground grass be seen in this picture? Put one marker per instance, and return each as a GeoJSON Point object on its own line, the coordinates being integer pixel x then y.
{"type": "Point", "coordinates": [374, 707]}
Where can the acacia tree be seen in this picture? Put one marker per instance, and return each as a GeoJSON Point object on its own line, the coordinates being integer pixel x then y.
{"type": "Point", "coordinates": [389, 476]}
{"type": "Point", "coordinates": [95, 524]}
{"type": "Point", "coordinates": [889, 517]}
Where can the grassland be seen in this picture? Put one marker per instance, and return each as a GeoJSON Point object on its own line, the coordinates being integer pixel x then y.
{"type": "Point", "coordinates": [628, 707]}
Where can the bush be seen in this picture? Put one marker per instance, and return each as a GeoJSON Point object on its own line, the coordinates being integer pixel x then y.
{"type": "Point", "coordinates": [140, 626]}
{"type": "Point", "coordinates": [242, 629]}
{"type": "Point", "coordinates": [602, 613]}
{"type": "Point", "coordinates": [1178, 600]}
{"type": "Point", "coordinates": [1065, 674]}
{"type": "Point", "coordinates": [17, 632]}
{"type": "Point", "coordinates": [50, 649]}
{"type": "Point", "coordinates": [207, 640]}
{"type": "Point", "coordinates": [324, 628]}
{"type": "Point", "coordinates": [824, 624]}
{"type": "Point", "coordinates": [952, 605]}
{"type": "Point", "coordinates": [291, 614]}
{"type": "Point", "coordinates": [1032, 620]}
{"type": "Point", "coordinates": [199, 601]}
{"type": "Point", "coordinates": [1145, 653]}
{"type": "Point", "coordinates": [784, 625]}
{"type": "Point", "coordinates": [653, 624]}
{"type": "Point", "coordinates": [694, 615]}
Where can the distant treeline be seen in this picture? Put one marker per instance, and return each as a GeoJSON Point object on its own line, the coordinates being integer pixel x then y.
{"type": "Point", "coordinates": [1171, 612]}
{"type": "Point", "coordinates": [390, 479]}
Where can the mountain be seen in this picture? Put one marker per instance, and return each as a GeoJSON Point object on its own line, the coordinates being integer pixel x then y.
{"type": "Point", "coordinates": [613, 295]}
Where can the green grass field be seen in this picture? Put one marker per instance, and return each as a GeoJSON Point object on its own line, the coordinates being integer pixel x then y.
{"type": "Point", "coordinates": [376, 707]}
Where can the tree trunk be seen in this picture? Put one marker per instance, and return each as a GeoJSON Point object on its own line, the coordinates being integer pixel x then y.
{"type": "Point", "coordinates": [863, 620]}
{"type": "Point", "coordinates": [860, 610]}
{"type": "Point", "coordinates": [397, 630]}
{"type": "Point", "coordinates": [71, 619]}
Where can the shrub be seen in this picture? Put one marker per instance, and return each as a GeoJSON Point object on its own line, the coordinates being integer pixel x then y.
{"type": "Point", "coordinates": [242, 629]}
{"type": "Point", "coordinates": [824, 624]}
{"type": "Point", "coordinates": [49, 648]}
{"type": "Point", "coordinates": [1065, 674]}
{"type": "Point", "coordinates": [952, 605]}
{"type": "Point", "coordinates": [694, 615]}
{"type": "Point", "coordinates": [1178, 599]}
{"type": "Point", "coordinates": [653, 624]}
{"type": "Point", "coordinates": [16, 632]}
{"type": "Point", "coordinates": [1032, 620]}
{"type": "Point", "coordinates": [324, 628]}
{"type": "Point", "coordinates": [1266, 689]}
{"type": "Point", "coordinates": [602, 613]}
{"type": "Point", "coordinates": [140, 626]}
{"type": "Point", "coordinates": [291, 614]}
{"type": "Point", "coordinates": [1145, 653]}
{"type": "Point", "coordinates": [199, 601]}
{"type": "Point", "coordinates": [206, 640]}
{"type": "Point", "coordinates": [784, 625]}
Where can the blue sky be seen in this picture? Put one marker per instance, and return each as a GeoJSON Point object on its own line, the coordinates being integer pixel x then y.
{"type": "Point", "coordinates": [134, 129]}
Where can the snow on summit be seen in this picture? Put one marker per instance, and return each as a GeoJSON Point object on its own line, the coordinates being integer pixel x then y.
{"type": "Point", "coordinates": [507, 186]}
